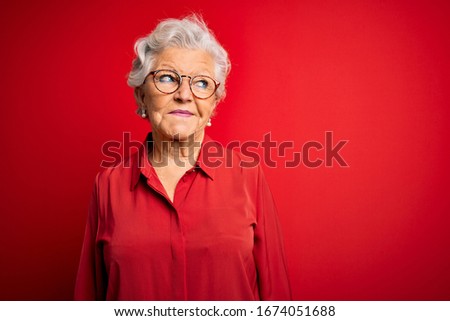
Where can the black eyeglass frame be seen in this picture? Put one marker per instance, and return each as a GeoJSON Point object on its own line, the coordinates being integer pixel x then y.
{"type": "Point", "coordinates": [180, 82]}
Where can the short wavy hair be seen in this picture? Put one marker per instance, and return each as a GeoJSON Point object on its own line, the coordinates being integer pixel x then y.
{"type": "Point", "coordinates": [190, 32]}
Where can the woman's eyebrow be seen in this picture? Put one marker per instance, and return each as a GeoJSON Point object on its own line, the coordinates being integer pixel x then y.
{"type": "Point", "coordinates": [171, 67]}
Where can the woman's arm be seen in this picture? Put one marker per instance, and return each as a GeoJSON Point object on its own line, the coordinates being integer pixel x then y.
{"type": "Point", "coordinates": [91, 278]}
{"type": "Point", "coordinates": [268, 250]}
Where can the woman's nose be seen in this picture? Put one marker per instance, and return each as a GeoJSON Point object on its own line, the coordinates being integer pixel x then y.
{"type": "Point", "coordinates": [184, 91]}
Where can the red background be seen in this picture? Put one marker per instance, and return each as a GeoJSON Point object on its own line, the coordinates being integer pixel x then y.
{"type": "Point", "coordinates": [375, 73]}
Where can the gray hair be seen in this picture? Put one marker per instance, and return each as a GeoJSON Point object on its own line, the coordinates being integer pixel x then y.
{"type": "Point", "coordinates": [190, 32]}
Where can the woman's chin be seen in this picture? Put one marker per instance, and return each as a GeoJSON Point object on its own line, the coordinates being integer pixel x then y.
{"type": "Point", "coordinates": [183, 133]}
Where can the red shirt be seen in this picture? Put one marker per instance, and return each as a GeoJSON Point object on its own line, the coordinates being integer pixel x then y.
{"type": "Point", "coordinates": [219, 239]}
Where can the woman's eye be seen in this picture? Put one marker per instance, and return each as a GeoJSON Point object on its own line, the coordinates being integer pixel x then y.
{"type": "Point", "coordinates": [202, 84]}
{"type": "Point", "coordinates": [167, 78]}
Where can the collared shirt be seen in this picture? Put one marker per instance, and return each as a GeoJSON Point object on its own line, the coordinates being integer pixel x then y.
{"type": "Point", "coordinates": [219, 239]}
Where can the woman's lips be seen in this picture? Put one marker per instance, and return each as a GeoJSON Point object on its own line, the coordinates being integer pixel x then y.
{"type": "Point", "coordinates": [181, 113]}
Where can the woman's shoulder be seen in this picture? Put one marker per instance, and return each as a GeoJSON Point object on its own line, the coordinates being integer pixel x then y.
{"type": "Point", "coordinates": [123, 169]}
{"type": "Point", "coordinates": [232, 158]}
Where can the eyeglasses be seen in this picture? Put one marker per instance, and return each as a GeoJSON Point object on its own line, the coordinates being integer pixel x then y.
{"type": "Point", "coordinates": [168, 81]}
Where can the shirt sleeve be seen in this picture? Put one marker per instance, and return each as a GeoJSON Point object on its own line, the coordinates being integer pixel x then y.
{"type": "Point", "coordinates": [91, 277]}
{"type": "Point", "coordinates": [273, 280]}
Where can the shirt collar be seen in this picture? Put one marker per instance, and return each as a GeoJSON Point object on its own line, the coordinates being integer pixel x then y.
{"type": "Point", "coordinates": [141, 166]}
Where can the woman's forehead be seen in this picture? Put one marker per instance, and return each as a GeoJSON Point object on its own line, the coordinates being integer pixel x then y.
{"type": "Point", "coordinates": [185, 60]}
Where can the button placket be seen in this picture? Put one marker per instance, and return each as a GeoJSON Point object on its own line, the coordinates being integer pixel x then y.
{"type": "Point", "coordinates": [178, 255]}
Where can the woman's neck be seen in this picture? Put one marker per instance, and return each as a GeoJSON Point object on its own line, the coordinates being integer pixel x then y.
{"type": "Point", "coordinates": [173, 151]}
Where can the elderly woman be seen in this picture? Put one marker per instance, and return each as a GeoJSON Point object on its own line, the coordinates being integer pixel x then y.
{"type": "Point", "coordinates": [176, 220]}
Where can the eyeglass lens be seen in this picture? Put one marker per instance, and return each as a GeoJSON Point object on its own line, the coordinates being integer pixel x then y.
{"type": "Point", "coordinates": [168, 81]}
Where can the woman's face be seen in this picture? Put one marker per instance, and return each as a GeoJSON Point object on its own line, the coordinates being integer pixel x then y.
{"type": "Point", "coordinates": [180, 114]}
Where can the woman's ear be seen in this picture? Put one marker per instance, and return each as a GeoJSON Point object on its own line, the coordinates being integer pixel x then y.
{"type": "Point", "coordinates": [216, 102]}
{"type": "Point", "coordinates": [139, 95]}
